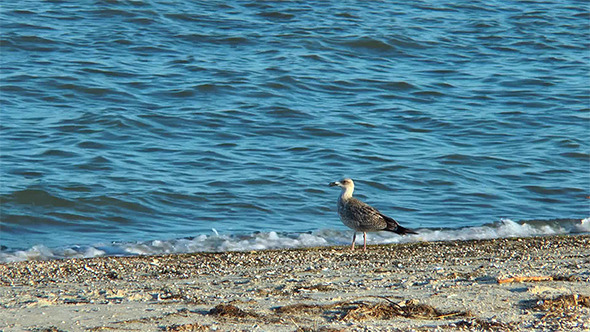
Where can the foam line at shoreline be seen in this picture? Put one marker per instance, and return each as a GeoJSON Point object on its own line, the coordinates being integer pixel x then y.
{"type": "Point", "coordinates": [216, 242]}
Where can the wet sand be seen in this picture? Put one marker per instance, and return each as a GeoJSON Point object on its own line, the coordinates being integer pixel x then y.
{"type": "Point", "coordinates": [444, 286]}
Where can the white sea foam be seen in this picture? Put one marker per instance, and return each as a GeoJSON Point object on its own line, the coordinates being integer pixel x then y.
{"type": "Point", "coordinates": [41, 252]}
{"type": "Point", "coordinates": [216, 242]}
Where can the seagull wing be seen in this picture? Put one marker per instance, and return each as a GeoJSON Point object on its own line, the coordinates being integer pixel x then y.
{"type": "Point", "coordinates": [367, 217]}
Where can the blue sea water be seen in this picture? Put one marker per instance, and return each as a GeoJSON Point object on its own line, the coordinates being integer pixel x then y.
{"type": "Point", "coordinates": [177, 126]}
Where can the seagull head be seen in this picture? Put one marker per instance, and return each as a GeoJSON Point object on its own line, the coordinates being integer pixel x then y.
{"type": "Point", "coordinates": [347, 187]}
{"type": "Point", "coordinates": [345, 184]}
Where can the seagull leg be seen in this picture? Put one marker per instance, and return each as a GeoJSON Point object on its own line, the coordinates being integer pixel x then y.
{"type": "Point", "coordinates": [353, 240]}
{"type": "Point", "coordinates": [365, 238]}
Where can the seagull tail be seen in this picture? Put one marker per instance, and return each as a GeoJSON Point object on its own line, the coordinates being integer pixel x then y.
{"type": "Point", "coordinates": [403, 231]}
{"type": "Point", "coordinates": [394, 226]}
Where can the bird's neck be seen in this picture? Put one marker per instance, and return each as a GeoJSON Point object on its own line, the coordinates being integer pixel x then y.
{"type": "Point", "coordinates": [346, 194]}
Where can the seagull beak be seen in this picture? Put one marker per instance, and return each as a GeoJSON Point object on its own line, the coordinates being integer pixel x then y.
{"type": "Point", "coordinates": [333, 184]}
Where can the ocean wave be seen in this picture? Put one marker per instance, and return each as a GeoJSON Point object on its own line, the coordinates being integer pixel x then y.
{"type": "Point", "coordinates": [216, 242]}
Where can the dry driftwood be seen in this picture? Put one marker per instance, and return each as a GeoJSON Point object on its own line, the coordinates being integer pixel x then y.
{"type": "Point", "coordinates": [525, 279]}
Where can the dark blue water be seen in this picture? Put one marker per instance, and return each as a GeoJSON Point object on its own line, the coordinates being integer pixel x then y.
{"type": "Point", "coordinates": [157, 120]}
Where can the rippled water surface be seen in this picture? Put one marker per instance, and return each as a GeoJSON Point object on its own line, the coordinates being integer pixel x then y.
{"type": "Point", "coordinates": [157, 120]}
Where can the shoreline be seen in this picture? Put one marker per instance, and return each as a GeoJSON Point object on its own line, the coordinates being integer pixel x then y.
{"type": "Point", "coordinates": [269, 240]}
{"type": "Point", "coordinates": [449, 285]}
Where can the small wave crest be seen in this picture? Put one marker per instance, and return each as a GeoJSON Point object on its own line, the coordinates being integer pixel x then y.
{"type": "Point", "coordinates": [273, 240]}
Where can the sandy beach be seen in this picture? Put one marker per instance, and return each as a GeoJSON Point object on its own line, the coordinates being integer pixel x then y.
{"type": "Point", "coordinates": [445, 286]}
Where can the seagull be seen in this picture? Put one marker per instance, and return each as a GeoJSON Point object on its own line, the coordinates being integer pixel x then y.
{"type": "Point", "coordinates": [362, 217]}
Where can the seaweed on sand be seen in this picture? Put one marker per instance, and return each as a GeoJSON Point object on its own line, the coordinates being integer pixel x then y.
{"type": "Point", "coordinates": [230, 310]}
{"type": "Point", "coordinates": [363, 310]}
{"type": "Point", "coordinates": [562, 302]}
